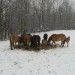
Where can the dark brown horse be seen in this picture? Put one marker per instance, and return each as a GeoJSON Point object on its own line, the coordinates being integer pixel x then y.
{"type": "Point", "coordinates": [57, 37]}
{"type": "Point", "coordinates": [13, 40]}
{"type": "Point", "coordinates": [35, 42]}
{"type": "Point", "coordinates": [45, 36]}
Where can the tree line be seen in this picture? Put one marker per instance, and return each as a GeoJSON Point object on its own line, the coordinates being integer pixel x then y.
{"type": "Point", "coordinates": [27, 16]}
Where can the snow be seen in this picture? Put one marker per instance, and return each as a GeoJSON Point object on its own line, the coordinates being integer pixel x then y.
{"type": "Point", "coordinates": [57, 61]}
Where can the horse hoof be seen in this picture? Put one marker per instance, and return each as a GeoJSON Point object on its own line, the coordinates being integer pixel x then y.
{"type": "Point", "coordinates": [11, 49]}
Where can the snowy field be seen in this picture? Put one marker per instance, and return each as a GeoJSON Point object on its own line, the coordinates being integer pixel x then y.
{"type": "Point", "coordinates": [57, 61]}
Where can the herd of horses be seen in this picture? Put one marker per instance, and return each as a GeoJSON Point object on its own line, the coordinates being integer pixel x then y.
{"type": "Point", "coordinates": [34, 41]}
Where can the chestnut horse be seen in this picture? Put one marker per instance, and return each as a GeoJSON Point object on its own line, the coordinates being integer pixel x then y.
{"type": "Point", "coordinates": [57, 37]}
{"type": "Point", "coordinates": [27, 39]}
{"type": "Point", "coordinates": [13, 40]}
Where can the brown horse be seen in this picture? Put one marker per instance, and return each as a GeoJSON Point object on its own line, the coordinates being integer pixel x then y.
{"type": "Point", "coordinates": [57, 37]}
{"type": "Point", "coordinates": [27, 39]}
{"type": "Point", "coordinates": [13, 40]}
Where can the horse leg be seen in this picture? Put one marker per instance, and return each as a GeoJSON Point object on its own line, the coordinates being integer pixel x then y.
{"type": "Point", "coordinates": [19, 44]}
{"type": "Point", "coordinates": [11, 47]}
{"type": "Point", "coordinates": [42, 44]}
{"type": "Point", "coordinates": [62, 44]}
{"type": "Point", "coordinates": [11, 44]}
{"type": "Point", "coordinates": [14, 45]}
{"type": "Point", "coordinates": [67, 44]}
{"type": "Point", "coordinates": [35, 45]}
{"type": "Point", "coordinates": [38, 46]}
{"type": "Point", "coordinates": [28, 44]}
{"type": "Point", "coordinates": [54, 43]}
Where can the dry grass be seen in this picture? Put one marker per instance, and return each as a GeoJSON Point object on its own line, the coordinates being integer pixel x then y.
{"type": "Point", "coordinates": [46, 47]}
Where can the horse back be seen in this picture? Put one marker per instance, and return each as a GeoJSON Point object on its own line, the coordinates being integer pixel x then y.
{"type": "Point", "coordinates": [14, 38]}
{"type": "Point", "coordinates": [57, 37]}
{"type": "Point", "coordinates": [60, 37]}
{"type": "Point", "coordinates": [27, 37]}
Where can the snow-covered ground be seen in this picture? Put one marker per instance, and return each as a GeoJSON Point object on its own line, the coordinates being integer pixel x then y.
{"type": "Point", "coordinates": [57, 61]}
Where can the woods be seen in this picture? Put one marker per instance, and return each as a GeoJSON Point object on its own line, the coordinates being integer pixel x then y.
{"type": "Point", "coordinates": [26, 16]}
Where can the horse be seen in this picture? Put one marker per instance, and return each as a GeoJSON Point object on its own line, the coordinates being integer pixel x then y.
{"type": "Point", "coordinates": [13, 40]}
{"type": "Point", "coordinates": [27, 39]}
{"type": "Point", "coordinates": [45, 36]}
{"type": "Point", "coordinates": [57, 37]}
{"type": "Point", "coordinates": [35, 41]}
